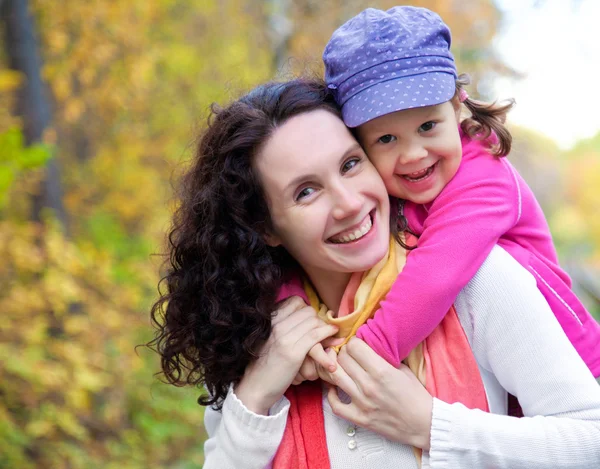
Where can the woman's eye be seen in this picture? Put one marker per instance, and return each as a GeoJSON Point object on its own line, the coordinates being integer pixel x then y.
{"type": "Point", "coordinates": [348, 165]}
{"type": "Point", "coordinates": [427, 126]}
{"type": "Point", "coordinates": [304, 193]}
{"type": "Point", "coordinates": [386, 139]}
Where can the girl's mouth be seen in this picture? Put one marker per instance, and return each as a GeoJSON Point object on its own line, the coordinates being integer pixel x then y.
{"type": "Point", "coordinates": [421, 175]}
{"type": "Point", "coordinates": [355, 234]}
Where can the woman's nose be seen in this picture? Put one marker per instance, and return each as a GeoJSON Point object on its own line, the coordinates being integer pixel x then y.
{"type": "Point", "coordinates": [347, 202]}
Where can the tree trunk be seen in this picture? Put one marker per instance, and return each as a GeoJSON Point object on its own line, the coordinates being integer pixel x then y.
{"type": "Point", "coordinates": [281, 29]}
{"type": "Point", "coordinates": [33, 104]}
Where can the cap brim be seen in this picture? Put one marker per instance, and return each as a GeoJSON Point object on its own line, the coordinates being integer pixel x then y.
{"type": "Point", "coordinates": [427, 89]}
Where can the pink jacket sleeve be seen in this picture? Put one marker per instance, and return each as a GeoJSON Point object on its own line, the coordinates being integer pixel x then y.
{"type": "Point", "coordinates": [462, 225]}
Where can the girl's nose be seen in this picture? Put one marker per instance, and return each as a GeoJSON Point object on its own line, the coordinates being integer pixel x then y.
{"type": "Point", "coordinates": [411, 152]}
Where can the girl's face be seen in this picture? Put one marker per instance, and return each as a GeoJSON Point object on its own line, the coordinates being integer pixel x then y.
{"type": "Point", "coordinates": [328, 205]}
{"type": "Point", "coordinates": [416, 151]}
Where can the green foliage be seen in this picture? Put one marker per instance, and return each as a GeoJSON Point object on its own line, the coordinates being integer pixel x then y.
{"type": "Point", "coordinates": [15, 158]}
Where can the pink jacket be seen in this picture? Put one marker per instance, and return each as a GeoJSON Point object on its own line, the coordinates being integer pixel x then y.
{"type": "Point", "coordinates": [486, 203]}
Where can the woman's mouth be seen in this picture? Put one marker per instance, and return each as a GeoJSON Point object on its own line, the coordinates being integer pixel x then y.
{"type": "Point", "coordinates": [421, 175]}
{"type": "Point", "coordinates": [355, 234]}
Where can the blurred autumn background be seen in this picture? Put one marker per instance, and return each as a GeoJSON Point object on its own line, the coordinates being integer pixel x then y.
{"type": "Point", "coordinates": [99, 105]}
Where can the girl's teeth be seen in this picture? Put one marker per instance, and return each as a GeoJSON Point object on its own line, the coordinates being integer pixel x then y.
{"type": "Point", "coordinates": [419, 175]}
{"type": "Point", "coordinates": [356, 234]}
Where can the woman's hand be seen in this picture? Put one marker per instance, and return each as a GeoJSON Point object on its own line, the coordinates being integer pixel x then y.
{"type": "Point", "coordinates": [296, 329]}
{"type": "Point", "coordinates": [389, 401]}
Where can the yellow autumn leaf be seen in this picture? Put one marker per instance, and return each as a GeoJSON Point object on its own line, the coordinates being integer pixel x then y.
{"type": "Point", "coordinates": [9, 80]}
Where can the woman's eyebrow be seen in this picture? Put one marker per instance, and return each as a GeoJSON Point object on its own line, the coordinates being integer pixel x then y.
{"type": "Point", "coordinates": [308, 176]}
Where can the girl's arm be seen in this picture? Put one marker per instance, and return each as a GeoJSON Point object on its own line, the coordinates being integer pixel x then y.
{"type": "Point", "coordinates": [480, 204]}
{"type": "Point", "coordinates": [515, 337]}
{"type": "Point", "coordinates": [241, 439]}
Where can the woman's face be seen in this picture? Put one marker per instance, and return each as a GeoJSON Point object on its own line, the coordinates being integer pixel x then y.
{"type": "Point", "coordinates": [328, 204]}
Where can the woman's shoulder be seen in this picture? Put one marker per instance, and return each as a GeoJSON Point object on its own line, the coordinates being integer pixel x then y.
{"type": "Point", "coordinates": [499, 272]}
{"type": "Point", "coordinates": [501, 292]}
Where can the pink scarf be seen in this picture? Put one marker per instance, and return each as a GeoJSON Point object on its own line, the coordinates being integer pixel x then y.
{"type": "Point", "coordinates": [450, 373]}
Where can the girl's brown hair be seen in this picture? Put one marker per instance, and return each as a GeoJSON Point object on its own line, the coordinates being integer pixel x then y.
{"type": "Point", "coordinates": [486, 118]}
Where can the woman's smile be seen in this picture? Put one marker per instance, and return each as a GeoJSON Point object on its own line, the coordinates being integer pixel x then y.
{"type": "Point", "coordinates": [355, 233]}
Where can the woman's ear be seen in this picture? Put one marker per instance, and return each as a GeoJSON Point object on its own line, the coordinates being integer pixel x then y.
{"type": "Point", "coordinates": [272, 240]}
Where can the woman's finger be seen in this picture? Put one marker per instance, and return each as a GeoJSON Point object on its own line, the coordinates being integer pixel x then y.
{"type": "Point", "coordinates": [342, 380]}
{"type": "Point", "coordinates": [298, 380]}
{"type": "Point", "coordinates": [366, 357]}
{"type": "Point", "coordinates": [297, 323]}
{"type": "Point", "coordinates": [315, 335]}
{"type": "Point", "coordinates": [286, 308]}
{"type": "Point", "coordinates": [353, 369]}
{"type": "Point", "coordinates": [308, 370]}
{"type": "Point", "coordinates": [346, 411]}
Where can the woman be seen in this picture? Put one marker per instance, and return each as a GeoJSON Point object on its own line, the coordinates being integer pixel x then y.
{"type": "Point", "coordinates": [280, 188]}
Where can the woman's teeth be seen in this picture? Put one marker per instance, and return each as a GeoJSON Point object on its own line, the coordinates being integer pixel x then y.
{"type": "Point", "coordinates": [419, 175]}
{"type": "Point", "coordinates": [356, 234]}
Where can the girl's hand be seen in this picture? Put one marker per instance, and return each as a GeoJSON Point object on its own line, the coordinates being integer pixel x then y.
{"type": "Point", "coordinates": [389, 401]}
{"type": "Point", "coordinates": [296, 329]}
{"type": "Point", "coordinates": [317, 357]}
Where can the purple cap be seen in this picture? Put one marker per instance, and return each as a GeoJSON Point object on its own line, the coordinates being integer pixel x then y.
{"type": "Point", "coordinates": [385, 61]}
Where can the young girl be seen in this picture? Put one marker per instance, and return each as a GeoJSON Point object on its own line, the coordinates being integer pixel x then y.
{"type": "Point", "coordinates": [395, 79]}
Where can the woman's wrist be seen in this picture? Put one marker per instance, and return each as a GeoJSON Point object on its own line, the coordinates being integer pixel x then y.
{"type": "Point", "coordinates": [253, 391]}
{"type": "Point", "coordinates": [422, 435]}
{"type": "Point", "coordinates": [252, 398]}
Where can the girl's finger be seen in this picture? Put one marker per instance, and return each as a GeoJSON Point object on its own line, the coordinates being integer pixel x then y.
{"type": "Point", "coordinates": [333, 341]}
{"type": "Point", "coordinates": [317, 353]}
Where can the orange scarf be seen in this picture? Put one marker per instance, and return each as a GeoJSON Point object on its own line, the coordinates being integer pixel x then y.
{"type": "Point", "coordinates": [444, 363]}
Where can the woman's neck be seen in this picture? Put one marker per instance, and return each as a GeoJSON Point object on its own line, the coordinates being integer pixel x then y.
{"type": "Point", "coordinates": [330, 287]}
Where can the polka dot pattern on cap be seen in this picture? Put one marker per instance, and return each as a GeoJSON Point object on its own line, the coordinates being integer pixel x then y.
{"type": "Point", "coordinates": [384, 61]}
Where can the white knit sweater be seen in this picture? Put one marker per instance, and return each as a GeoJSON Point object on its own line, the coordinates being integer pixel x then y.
{"type": "Point", "coordinates": [519, 347]}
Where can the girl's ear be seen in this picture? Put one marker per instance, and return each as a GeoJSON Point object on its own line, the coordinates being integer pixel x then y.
{"type": "Point", "coordinates": [456, 105]}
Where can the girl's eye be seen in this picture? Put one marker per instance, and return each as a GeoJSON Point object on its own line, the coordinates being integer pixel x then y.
{"type": "Point", "coordinates": [304, 193]}
{"type": "Point", "coordinates": [427, 126]}
{"type": "Point", "coordinates": [386, 139]}
{"type": "Point", "coordinates": [350, 164]}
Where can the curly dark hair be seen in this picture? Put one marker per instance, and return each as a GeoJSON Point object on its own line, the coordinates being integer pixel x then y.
{"type": "Point", "coordinates": [222, 278]}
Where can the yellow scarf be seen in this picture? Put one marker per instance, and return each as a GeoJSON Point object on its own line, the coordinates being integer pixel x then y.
{"type": "Point", "coordinates": [374, 286]}
{"type": "Point", "coordinates": [444, 362]}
